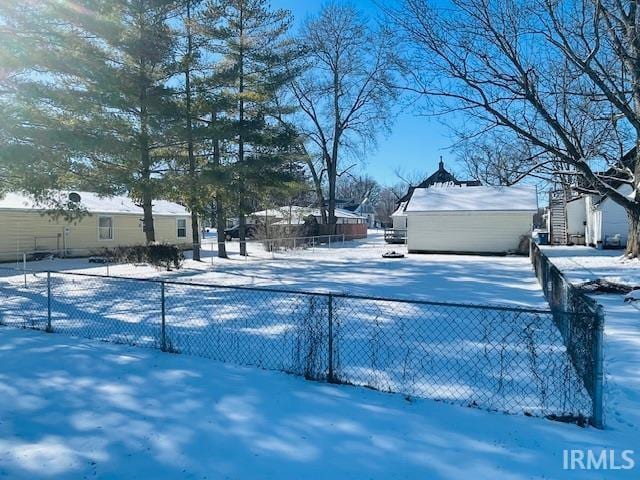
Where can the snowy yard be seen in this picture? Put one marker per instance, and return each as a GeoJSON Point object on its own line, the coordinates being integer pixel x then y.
{"type": "Point", "coordinates": [76, 409]}
{"type": "Point", "coordinates": [581, 264]}
{"type": "Point", "coordinates": [355, 267]}
{"type": "Point", "coordinates": [499, 359]}
{"type": "Point", "coordinates": [622, 328]}
{"type": "Point", "coordinates": [71, 403]}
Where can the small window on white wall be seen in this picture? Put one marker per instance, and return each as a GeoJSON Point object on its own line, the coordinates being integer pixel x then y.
{"type": "Point", "coordinates": [182, 227]}
{"type": "Point", "coordinates": [105, 228]}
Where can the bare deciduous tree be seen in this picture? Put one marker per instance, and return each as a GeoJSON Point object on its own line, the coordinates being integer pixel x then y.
{"type": "Point", "coordinates": [358, 188]}
{"type": "Point", "coordinates": [387, 202]}
{"type": "Point", "coordinates": [495, 160]}
{"type": "Point", "coordinates": [561, 75]}
{"type": "Point", "coordinates": [345, 92]}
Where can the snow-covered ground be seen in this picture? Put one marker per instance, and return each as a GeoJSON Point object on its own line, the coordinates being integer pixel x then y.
{"type": "Point", "coordinates": [581, 264]}
{"type": "Point", "coordinates": [442, 352]}
{"type": "Point", "coordinates": [355, 267]}
{"type": "Point", "coordinates": [74, 409]}
{"type": "Point", "coordinates": [622, 329]}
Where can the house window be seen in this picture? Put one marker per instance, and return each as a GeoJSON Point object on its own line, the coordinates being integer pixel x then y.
{"type": "Point", "coordinates": [105, 228]}
{"type": "Point", "coordinates": [182, 228]}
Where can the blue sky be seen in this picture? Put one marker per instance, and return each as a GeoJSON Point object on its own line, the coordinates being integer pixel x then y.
{"type": "Point", "coordinates": [414, 143]}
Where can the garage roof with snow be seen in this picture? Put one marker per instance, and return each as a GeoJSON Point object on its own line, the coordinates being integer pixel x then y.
{"type": "Point", "coordinates": [298, 213]}
{"type": "Point", "coordinates": [91, 202]}
{"type": "Point", "coordinates": [399, 212]}
{"type": "Point", "coordinates": [475, 199]}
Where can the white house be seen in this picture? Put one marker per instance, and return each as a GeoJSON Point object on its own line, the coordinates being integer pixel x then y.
{"type": "Point", "coordinates": [607, 223]}
{"type": "Point", "coordinates": [399, 217]}
{"type": "Point", "coordinates": [592, 219]}
{"type": "Point", "coordinates": [469, 220]}
{"type": "Point", "coordinates": [576, 220]}
{"type": "Point", "coordinates": [596, 220]}
{"type": "Point", "coordinates": [365, 209]}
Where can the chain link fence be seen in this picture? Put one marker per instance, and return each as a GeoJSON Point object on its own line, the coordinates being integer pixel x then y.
{"type": "Point", "coordinates": [580, 320]}
{"type": "Point", "coordinates": [494, 357]}
{"type": "Point", "coordinates": [260, 248]}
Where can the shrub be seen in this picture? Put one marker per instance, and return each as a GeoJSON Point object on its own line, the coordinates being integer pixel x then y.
{"type": "Point", "coordinates": [159, 255]}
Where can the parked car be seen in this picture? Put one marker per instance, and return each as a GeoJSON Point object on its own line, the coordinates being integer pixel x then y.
{"type": "Point", "coordinates": [234, 232]}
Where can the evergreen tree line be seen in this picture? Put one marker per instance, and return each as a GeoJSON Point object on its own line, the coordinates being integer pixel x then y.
{"type": "Point", "coordinates": [177, 99]}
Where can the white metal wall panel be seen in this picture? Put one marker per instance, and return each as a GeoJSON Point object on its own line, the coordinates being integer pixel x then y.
{"type": "Point", "coordinates": [482, 232]}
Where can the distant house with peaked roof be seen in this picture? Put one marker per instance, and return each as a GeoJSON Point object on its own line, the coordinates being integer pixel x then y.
{"type": "Point", "coordinates": [441, 177]}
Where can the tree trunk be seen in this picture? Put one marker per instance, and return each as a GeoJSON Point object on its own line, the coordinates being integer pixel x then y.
{"type": "Point", "coordinates": [145, 163]}
{"type": "Point", "coordinates": [242, 231]}
{"type": "Point", "coordinates": [220, 216]}
{"type": "Point", "coordinates": [332, 199]}
{"type": "Point", "coordinates": [633, 242]}
{"type": "Point", "coordinates": [212, 209]}
{"type": "Point", "coordinates": [147, 220]}
{"type": "Point", "coordinates": [333, 178]}
{"type": "Point", "coordinates": [332, 163]}
{"type": "Point", "coordinates": [195, 235]}
{"type": "Point", "coordinates": [147, 194]}
{"type": "Point", "coordinates": [220, 226]}
{"type": "Point", "coordinates": [317, 183]}
{"type": "Point", "coordinates": [321, 205]}
{"type": "Point", "coordinates": [195, 227]}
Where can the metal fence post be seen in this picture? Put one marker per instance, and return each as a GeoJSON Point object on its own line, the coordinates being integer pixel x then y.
{"type": "Point", "coordinates": [49, 328]}
{"type": "Point", "coordinates": [331, 375]}
{"type": "Point", "coordinates": [545, 277]}
{"type": "Point", "coordinates": [163, 333]}
{"type": "Point", "coordinates": [597, 396]}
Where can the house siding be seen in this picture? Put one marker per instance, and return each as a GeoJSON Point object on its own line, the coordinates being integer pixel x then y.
{"type": "Point", "coordinates": [481, 232]}
{"type": "Point", "coordinates": [400, 222]}
{"type": "Point", "coordinates": [29, 231]}
{"type": "Point", "coordinates": [606, 219]}
{"type": "Point", "coordinates": [576, 216]}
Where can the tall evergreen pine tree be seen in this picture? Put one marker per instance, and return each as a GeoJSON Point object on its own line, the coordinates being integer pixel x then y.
{"type": "Point", "coordinates": [252, 53]}
{"type": "Point", "coordinates": [93, 90]}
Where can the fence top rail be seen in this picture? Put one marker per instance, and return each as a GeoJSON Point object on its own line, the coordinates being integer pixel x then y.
{"type": "Point", "coordinates": [590, 302]}
{"type": "Point", "coordinates": [335, 295]}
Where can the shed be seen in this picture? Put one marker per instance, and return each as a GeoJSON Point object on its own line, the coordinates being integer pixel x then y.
{"type": "Point", "coordinates": [482, 219]}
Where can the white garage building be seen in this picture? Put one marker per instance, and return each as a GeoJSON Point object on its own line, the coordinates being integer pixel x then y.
{"type": "Point", "coordinates": [469, 220]}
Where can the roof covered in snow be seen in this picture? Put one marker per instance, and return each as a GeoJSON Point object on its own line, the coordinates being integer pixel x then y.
{"type": "Point", "coordinates": [91, 202]}
{"type": "Point", "coordinates": [481, 198]}
{"type": "Point", "coordinates": [298, 213]}
{"type": "Point", "coordinates": [399, 212]}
